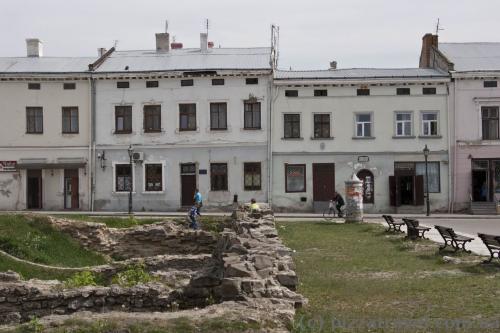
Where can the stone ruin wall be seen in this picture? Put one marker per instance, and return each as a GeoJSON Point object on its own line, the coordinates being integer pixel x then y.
{"type": "Point", "coordinates": [245, 263]}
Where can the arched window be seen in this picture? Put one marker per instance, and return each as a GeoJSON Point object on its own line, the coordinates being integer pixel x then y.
{"type": "Point", "coordinates": [368, 185]}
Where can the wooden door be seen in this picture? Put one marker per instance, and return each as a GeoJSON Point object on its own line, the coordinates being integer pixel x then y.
{"type": "Point", "coordinates": [188, 183]}
{"type": "Point", "coordinates": [323, 181]}
{"type": "Point", "coordinates": [75, 200]}
{"type": "Point", "coordinates": [34, 189]}
{"type": "Point", "coordinates": [71, 189]}
{"type": "Point", "coordinates": [394, 195]}
{"type": "Point", "coordinates": [419, 190]}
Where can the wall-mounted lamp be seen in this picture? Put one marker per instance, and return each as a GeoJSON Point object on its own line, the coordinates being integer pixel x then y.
{"type": "Point", "coordinates": [102, 159]}
{"type": "Point", "coordinates": [469, 157]}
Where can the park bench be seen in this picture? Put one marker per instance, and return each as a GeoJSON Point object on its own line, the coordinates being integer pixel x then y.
{"type": "Point", "coordinates": [393, 225]}
{"type": "Point", "coordinates": [414, 229]}
{"type": "Point", "coordinates": [451, 238]}
{"type": "Point", "coordinates": [492, 242]}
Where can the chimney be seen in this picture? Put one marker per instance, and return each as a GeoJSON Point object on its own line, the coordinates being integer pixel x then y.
{"type": "Point", "coordinates": [203, 42]}
{"type": "Point", "coordinates": [34, 47]}
{"type": "Point", "coordinates": [101, 51]}
{"type": "Point", "coordinates": [176, 45]}
{"type": "Point", "coordinates": [429, 41]}
{"type": "Point", "coordinates": [162, 41]}
{"type": "Point", "coordinates": [333, 64]}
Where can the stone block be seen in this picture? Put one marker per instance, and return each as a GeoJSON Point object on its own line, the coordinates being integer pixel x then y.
{"type": "Point", "coordinates": [262, 262]}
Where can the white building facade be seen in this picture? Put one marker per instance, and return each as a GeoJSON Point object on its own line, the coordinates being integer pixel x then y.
{"type": "Point", "coordinates": [373, 122]}
{"type": "Point", "coordinates": [45, 132]}
{"type": "Point", "coordinates": [195, 118]}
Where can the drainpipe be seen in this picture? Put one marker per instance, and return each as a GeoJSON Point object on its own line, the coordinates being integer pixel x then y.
{"type": "Point", "coordinates": [449, 121]}
{"type": "Point", "coordinates": [455, 147]}
{"type": "Point", "coordinates": [92, 139]}
{"type": "Point", "coordinates": [269, 143]}
{"type": "Point", "coordinates": [90, 175]}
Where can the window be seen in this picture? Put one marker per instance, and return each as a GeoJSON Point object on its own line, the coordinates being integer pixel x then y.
{"type": "Point", "coordinates": [218, 176]}
{"type": "Point", "coordinates": [489, 115]}
{"type": "Point", "coordinates": [69, 86]}
{"type": "Point", "coordinates": [123, 119]}
{"type": "Point", "coordinates": [123, 84]}
{"type": "Point", "coordinates": [154, 177]}
{"type": "Point", "coordinates": [292, 126]}
{"type": "Point", "coordinates": [187, 83]}
{"type": "Point", "coordinates": [403, 124]}
{"type": "Point", "coordinates": [295, 178]}
{"type": "Point", "coordinates": [34, 86]}
{"type": "Point", "coordinates": [187, 117]}
{"type": "Point", "coordinates": [152, 118]}
{"type": "Point", "coordinates": [321, 126]}
{"type": "Point", "coordinates": [429, 91]}
{"type": "Point", "coordinates": [291, 93]}
{"type": "Point", "coordinates": [363, 92]}
{"type": "Point", "coordinates": [218, 116]}
{"type": "Point", "coordinates": [402, 91]}
{"type": "Point", "coordinates": [368, 185]}
{"type": "Point", "coordinates": [70, 119]}
{"type": "Point", "coordinates": [252, 176]}
{"type": "Point", "coordinates": [252, 80]}
{"type": "Point", "coordinates": [490, 84]}
{"type": "Point", "coordinates": [434, 176]}
{"type": "Point", "coordinates": [320, 92]}
{"type": "Point", "coordinates": [152, 84]}
{"type": "Point", "coordinates": [123, 177]}
{"type": "Point", "coordinates": [364, 125]}
{"type": "Point", "coordinates": [34, 120]}
{"type": "Point", "coordinates": [429, 123]}
{"type": "Point", "coordinates": [251, 115]}
{"type": "Point", "coordinates": [217, 82]}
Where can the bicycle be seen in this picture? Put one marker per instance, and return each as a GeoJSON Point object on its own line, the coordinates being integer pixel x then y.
{"type": "Point", "coordinates": [330, 212]}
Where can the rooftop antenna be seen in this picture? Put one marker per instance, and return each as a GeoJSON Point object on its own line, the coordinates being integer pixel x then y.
{"type": "Point", "coordinates": [166, 25]}
{"type": "Point", "coordinates": [207, 25]}
{"type": "Point", "coordinates": [438, 27]}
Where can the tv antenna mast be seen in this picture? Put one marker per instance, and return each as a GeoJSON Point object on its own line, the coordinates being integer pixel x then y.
{"type": "Point", "coordinates": [166, 25]}
{"type": "Point", "coordinates": [438, 27]}
{"type": "Point", "coordinates": [207, 25]}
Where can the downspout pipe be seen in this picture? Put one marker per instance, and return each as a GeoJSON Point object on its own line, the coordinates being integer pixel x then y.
{"type": "Point", "coordinates": [92, 139]}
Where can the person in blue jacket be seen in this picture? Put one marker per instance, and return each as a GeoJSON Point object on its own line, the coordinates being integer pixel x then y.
{"type": "Point", "coordinates": [198, 200]}
{"type": "Point", "coordinates": [193, 213]}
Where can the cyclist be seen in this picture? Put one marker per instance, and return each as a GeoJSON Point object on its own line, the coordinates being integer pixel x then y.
{"type": "Point", "coordinates": [339, 202]}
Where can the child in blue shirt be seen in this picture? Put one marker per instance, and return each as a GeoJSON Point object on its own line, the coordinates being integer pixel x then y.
{"type": "Point", "coordinates": [193, 213]}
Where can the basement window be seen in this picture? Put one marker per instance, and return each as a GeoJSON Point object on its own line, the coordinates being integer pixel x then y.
{"type": "Point", "coordinates": [69, 86]}
{"type": "Point", "coordinates": [291, 93]}
{"type": "Point", "coordinates": [217, 82]}
{"type": "Point", "coordinates": [187, 83]}
{"type": "Point", "coordinates": [429, 91]}
{"type": "Point", "coordinates": [151, 84]}
{"type": "Point", "coordinates": [402, 91]}
{"type": "Point", "coordinates": [252, 80]}
{"type": "Point", "coordinates": [363, 92]}
{"type": "Point", "coordinates": [490, 84]}
{"type": "Point", "coordinates": [123, 84]}
{"type": "Point", "coordinates": [320, 92]}
{"type": "Point", "coordinates": [34, 86]}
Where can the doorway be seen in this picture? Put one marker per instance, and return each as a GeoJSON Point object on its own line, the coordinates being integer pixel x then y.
{"type": "Point", "coordinates": [71, 196]}
{"type": "Point", "coordinates": [480, 188]}
{"type": "Point", "coordinates": [406, 190]}
{"type": "Point", "coordinates": [34, 189]}
{"type": "Point", "coordinates": [188, 183]}
{"type": "Point", "coordinates": [323, 181]}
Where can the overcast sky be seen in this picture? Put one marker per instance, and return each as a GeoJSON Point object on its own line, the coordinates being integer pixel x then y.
{"type": "Point", "coordinates": [356, 33]}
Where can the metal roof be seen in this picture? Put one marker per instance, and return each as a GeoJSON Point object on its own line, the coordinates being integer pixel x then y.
{"type": "Point", "coordinates": [472, 56]}
{"type": "Point", "coordinates": [11, 65]}
{"type": "Point", "coordinates": [360, 73]}
{"type": "Point", "coordinates": [187, 59]}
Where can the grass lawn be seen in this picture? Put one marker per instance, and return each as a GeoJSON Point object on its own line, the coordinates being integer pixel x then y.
{"type": "Point", "coordinates": [114, 221]}
{"type": "Point", "coordinates": [34, 240]}
{"type": "Point", "coordinates": [357, 278]}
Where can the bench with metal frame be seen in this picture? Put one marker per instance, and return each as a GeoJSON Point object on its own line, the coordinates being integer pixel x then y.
{"type": "Point", "coordinates": [414, 230]}
{"type": "Point", "coordinates": [394, 226]}
{"type": "Point", "coordinates": [451, 238]}
{"type": "Point", "coordinates": [492, 242]}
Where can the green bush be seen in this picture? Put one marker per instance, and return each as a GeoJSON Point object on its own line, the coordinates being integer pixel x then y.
{"type": "Point", "coordinates": [81, 279]}
{"type": "Point", "coordinates": [133, 275]}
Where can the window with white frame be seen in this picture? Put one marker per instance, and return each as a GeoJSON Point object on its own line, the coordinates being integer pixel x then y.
{"type": "Point", "coordinates": [123, 177]}
{"type": "Point", "coordinates": [434, 175]}
{"type": "Point", "coordinates": [429, 123]}
{"type": "Point", "coordinates": [364, 125]}
{"type": "Point", "coordinates": [153, 177]}
{"type": "Point", "coordinates": [403, 124]}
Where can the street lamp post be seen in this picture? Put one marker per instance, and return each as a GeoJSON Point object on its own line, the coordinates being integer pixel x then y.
{"type": "Point", "coordinates": [426, 155]}
{"type": "Point", "coordinates": [130, 155]}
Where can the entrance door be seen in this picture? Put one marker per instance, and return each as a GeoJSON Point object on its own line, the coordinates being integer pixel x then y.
{"type": "Point", "coordinates": [188, 183]}
{"type": "Point", "coordinates": [406, 190]}
{"type": "Point", "coordinates": [34, 189]}
{"type": "Point", "coordinates": [323, 181]}
{"type": "Point", "coordinates": [480, 188]}
{"type": "Point", "coordinates": [71, 197]}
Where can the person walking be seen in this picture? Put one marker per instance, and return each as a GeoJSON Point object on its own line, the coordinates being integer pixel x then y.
{"type": "Point", "coordinates": [339, 201]}
{"type": "Point", "coordinates": [193, 213]}
{"type": "Point", "coordinates": [198, 200]}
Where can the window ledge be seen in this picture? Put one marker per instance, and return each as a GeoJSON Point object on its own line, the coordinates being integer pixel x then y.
{"type": "Point", "coordinates": [319, 139]}
{"type": "Point", "coordinates": [69, 133]}
{"type": "Point", "coordinates": [363, 138]}
{"type": "Point", "coordinates": [404, 137]}
{"type": "Point", "coordinates": [162, 131]}
{"type": "Point", "coordinates": [122, 133]}
{"type": "Point", "coordinates": [430, 137]}
{"type": "Point", "coordinates": [220, 191]}
{"type": "Point", "coordinates": [292, 139]}
{"type": "Point", "coordinates": [37, 133]}
{"type": "Point", "coordinates": [180, 131]}
{"type": "Point", "coordinates": [152, 192]}
{"type": "Point", "coordinates": [252, 129]}
{"type": "Point", "coordinates": [122, 193]}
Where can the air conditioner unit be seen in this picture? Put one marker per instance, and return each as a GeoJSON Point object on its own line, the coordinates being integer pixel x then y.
{"type": "Point", "coordinates": [138, 157]}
